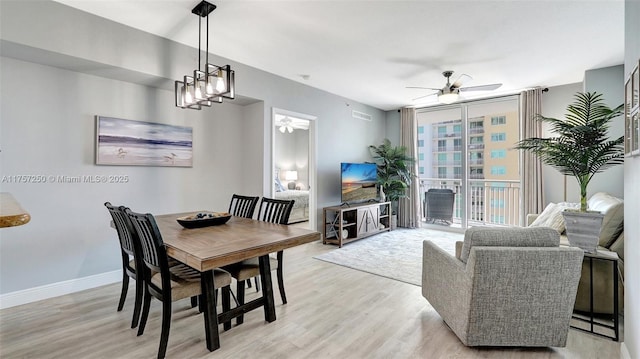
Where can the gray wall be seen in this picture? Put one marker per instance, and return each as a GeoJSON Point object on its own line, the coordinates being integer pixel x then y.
{"type": "Point", "coordinates": [632, 199]}
{"type": "Point", "coordinates": [554, 104]}
{"type": "Point", "coordinates": [78, 62]}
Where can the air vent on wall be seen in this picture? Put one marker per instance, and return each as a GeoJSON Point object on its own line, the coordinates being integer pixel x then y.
{"type": "Point", "coordinates": [361, 115]}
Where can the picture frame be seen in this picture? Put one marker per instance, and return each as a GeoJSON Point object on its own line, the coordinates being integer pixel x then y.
{"type": "Point", "coordinates": [632, 113]}
{"type": "Point", "coordinates": [122, 142]}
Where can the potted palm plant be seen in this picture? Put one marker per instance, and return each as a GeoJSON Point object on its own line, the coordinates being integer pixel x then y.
{"type": "Point", "coordinates": [394, 176]}
{"type": "Point", "coordinates": [581, 149]}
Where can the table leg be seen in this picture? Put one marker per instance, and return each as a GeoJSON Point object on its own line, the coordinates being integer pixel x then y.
{"type": "Point", "coordinates": [615, 301]}
{"type": "Point", "coordinates": [210, 315]}
{"type": "Point", "coordinates": [267, 289]}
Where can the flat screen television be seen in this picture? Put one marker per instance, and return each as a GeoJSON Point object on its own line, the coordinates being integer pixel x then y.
{"type": "Point", "coordinates": [359, 182]}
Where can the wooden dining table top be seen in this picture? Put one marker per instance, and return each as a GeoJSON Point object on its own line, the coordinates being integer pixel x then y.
{"type": "Point", "coordinates": [239, 239]}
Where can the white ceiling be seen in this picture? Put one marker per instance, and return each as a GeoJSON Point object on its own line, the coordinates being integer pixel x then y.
{"type": "Point", "coordinates": [369, 51]}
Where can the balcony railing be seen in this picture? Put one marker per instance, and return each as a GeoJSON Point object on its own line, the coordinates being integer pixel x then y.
{"type": "Point", "coordinates": [493, 202]}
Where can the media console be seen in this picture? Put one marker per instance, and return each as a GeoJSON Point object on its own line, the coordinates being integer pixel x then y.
{"type": "Point", "coordinates": [343, 224]}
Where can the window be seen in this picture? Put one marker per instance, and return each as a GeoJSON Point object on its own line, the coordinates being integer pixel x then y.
{"type": "Point", "coordinates": [442, 131]}
{"type": "Point", "coordinates": [498, 170]}
{"type": "Point", "coordinates": [442, 172]}
{"type": "Point", "coordinates": [421, 156]}
{"type": "Point", "coordinates": [498, 153]}
{"type": "Point", "coordinates": [497, 203]}
{"type": "Point", "coordinates": [476, 140]}
{"type": "Point", "coordinates": [497, 219]}
{"type": "Point", "coordinates": [442, 145]}
{"type": "Point", "coordinates": [457, 130]}
{"type": "Point", "coordinates": [442, 158]}
{"type": "Point", "coordinates": [420, 130]}
{"type": "Point", "coordinates": [421, 170]}
{"type": "Point", "coordinates": [498, 120]}
{"type": "Point", "coordinates": [457, 144]}
{"type": "Point", "coordinates": [420, 143]}
{"type": "Point", "coordinates": [457, 157]}
{"type": "Point", "coordinates": [457, 172]}
{"type": "Point", "coordinates": [498, 137]}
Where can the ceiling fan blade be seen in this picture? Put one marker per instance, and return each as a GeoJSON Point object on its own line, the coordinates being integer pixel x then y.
{"type": "Point", "coordinates": [462, 79]}
{"type": "Point", "coordinates": [421, 97]}
{"type": "Point", "coordinates": [481, 87]}
{"type": "Point", "coordinates": [422, 88]}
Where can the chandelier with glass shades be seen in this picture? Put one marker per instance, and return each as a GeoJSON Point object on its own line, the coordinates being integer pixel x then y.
{"type": "Point", "coordinates": [209, 84]}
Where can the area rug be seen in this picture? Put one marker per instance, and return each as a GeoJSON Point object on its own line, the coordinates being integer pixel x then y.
{"type": "Point", "coordinates": [396, 254]}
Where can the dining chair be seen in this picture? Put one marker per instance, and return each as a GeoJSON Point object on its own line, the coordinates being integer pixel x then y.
{"type": "Point", "coordinates": [131, 255]}
{"type": "Point", "coordinates": [167, 284]}
{"type": "Point", "coordinates": [243, 206]}
{"type": "Point", "coordinates": [274, 211]}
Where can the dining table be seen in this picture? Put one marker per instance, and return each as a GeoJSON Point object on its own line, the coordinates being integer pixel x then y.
{"type": "Point", "coordinates": [210, 247]}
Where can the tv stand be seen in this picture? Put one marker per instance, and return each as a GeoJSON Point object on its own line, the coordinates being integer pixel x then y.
{"type": "Point", "coordinates": [346, 224]}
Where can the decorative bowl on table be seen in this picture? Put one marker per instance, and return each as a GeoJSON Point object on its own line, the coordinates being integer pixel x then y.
{"type": "Point", "coordinates": [204, 219]}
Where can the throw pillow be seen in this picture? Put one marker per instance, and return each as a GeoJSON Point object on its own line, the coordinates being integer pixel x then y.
{"type": "Point", "coordinates": [550, 217]}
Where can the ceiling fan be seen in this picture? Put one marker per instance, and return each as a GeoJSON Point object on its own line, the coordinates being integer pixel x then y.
{"type": "Point", "coordinates": [450, 93]}
{"type": "Point", "coordinates": [288, 124]}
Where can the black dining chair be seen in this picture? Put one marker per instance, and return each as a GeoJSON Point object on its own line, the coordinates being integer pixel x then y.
{"type": "Point", "coordinates": [167, 284]}
{"type": "Point", "coordinates": [131, 255]}
{"type": "Point", "coordinates": [243, 206]}
{"type": "Point", "coordinates": [274, 211]}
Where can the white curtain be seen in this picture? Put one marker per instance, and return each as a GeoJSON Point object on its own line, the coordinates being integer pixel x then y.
{"type": "Point", "coordinates": [532, 190]}
{"type": "Point", "coordinates": [409, 207]}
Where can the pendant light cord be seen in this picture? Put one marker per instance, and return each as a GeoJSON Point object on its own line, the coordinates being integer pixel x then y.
{"type": "Point", "coordinates": [200, 41]}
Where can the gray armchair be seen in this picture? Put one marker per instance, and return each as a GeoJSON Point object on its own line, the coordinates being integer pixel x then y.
{"type": "Point", "coordinates": [508, 287]}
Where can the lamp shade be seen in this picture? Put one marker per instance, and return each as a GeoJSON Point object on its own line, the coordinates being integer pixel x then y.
{"type": "Point", "coordinates": [291, 175]}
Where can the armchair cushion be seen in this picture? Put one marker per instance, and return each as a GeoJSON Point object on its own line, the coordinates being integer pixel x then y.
{"type": "Point", "coordinates": [508, 237]}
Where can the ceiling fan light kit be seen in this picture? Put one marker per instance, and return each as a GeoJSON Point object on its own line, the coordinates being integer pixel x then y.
{"type": "Point", "coordinates": [450, 93]}
{"type": "Point", "coordinates": [210, 84]}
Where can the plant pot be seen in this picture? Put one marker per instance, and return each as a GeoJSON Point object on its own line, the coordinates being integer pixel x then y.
{"type": "Point", "coordinates": [583, 229]}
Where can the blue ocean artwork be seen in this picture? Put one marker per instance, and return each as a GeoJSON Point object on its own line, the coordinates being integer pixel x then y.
{"type": "Point", "coordinates": [127, 142]}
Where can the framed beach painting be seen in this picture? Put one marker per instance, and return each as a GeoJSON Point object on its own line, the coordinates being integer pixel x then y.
{"type": "Point", "coordinates": [137, 143]}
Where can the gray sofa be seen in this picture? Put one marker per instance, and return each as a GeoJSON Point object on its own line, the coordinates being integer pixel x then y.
{"type": "Point", "coordinates": [508, 286]}
{"type": "Point", "coordinates": [611, 240]}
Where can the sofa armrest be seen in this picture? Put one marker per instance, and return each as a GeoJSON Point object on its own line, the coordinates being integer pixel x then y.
{"type": "Point", "coordinates": [531, 217]}
{"type": "Point", "coordinates": [446, 285]}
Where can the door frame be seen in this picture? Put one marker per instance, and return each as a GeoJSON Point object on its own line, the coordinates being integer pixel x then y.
{"type": "Point", "coordinates": [313, 133]}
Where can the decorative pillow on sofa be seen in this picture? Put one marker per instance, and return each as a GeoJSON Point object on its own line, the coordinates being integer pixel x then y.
{"type": "Point", "coordinates": [552, 217]}
{"type": "Point", "coordinates": [613, 221]}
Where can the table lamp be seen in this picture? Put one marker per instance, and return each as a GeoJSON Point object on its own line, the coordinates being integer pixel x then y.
{"type": "Point", "coordinates": [291, 176]}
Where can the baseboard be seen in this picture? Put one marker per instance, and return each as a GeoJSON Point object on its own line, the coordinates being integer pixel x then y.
{"type": "Point", "coordinates": [57, 289]}
{"type": "Point", "coordinates": [624, 352]}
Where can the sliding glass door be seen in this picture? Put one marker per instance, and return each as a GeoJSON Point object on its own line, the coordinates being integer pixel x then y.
{"type": "Point", "coordinates": [468, 148]}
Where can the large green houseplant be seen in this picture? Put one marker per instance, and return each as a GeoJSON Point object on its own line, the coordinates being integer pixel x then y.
{"type": "Point", "coordinates": [394, 176]}
{"type": "Point", "coordinates": [581, 149]}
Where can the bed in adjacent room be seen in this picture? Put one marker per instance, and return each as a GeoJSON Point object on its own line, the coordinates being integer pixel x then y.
{"type": "Point", "coordinates": [300, 211]}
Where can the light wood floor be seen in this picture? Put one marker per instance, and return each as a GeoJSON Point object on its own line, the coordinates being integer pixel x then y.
{"type": "Point", "coordinates": [333, 312]}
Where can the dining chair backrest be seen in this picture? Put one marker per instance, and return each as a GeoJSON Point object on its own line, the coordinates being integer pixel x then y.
{"type": "Point", "coordinates": [154, 254]}
{"type": "Point", "coordinates": [275, 210]}
{"type": "Point", "coordinates": [125, 232]}
{"type": "Point", "coordinates": [243, 206]}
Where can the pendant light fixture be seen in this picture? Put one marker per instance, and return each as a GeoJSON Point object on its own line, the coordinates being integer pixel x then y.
{"type": "Point", "coordinates": [209, 84]}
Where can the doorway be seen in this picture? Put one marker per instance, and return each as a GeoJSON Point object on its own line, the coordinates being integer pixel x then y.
{"type": "Point", "coordinates": [294, 164]}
